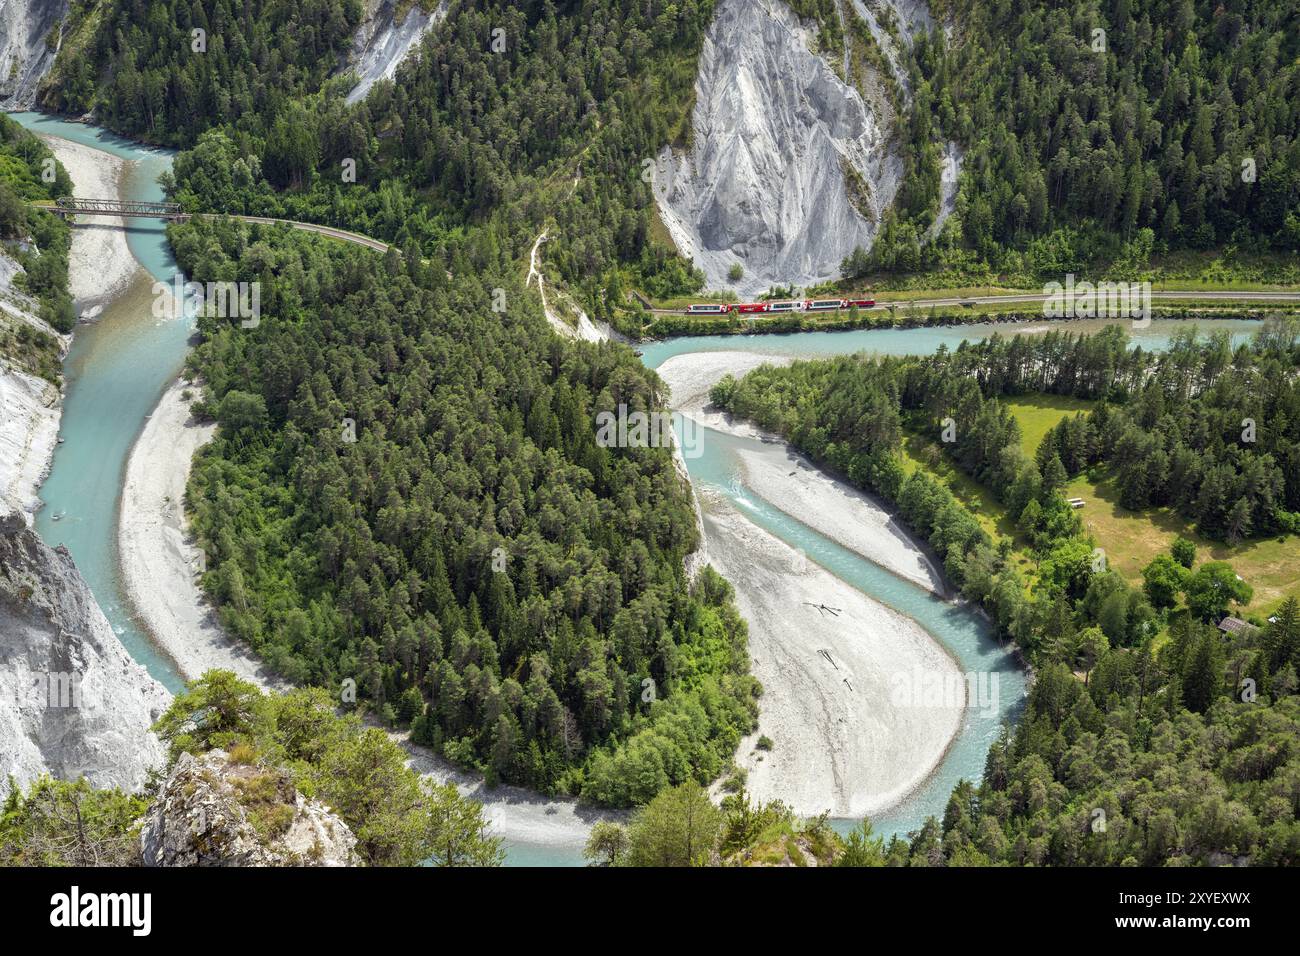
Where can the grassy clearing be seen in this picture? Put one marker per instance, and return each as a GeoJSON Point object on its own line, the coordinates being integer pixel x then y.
{"type": "Point", "coordinates": [922, 453]}
{"type": "Point", "coordinates": [1131, 539]}
{"type": "Point", "coordinates": [1038, 414]}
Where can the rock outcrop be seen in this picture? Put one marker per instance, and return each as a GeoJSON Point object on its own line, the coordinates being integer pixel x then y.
{"type": "Point", "coordinates": [790, 166]}
{"type": "Point", "coordinates": [215, 810]}
{"type": "Point", "coordinates": [29, 426]}
{"type": "Point", "coordinates": [29, 40]}
{"type": "Point", "coordinates": [29, 405]}
{"type": "Point", "coordinates": [382, 42]}
{"type": "Point", "coordinates": [781, 143]}
{"type": "Point", "coordinates": [72, 701]}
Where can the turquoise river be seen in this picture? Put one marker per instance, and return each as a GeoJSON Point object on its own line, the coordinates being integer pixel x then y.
{"type": "Point", "coordinates": [120, 364]}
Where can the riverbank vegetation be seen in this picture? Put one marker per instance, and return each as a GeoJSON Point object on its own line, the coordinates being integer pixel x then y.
{"type": "Point", "coordinates": [38, 242]}
{"type": "Point", "coordinates": [357, 771]}
{"type": "Point", "coordinates": [407, 492]}
{"type": "Point", "coordinates": [683, 827]}
{"type": "Point", "coordinates": [1124, 674]}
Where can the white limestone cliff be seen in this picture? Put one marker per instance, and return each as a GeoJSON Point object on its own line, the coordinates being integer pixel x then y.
{"type": "Point", "coordinates": [790, 168]}
{"type": "Point", "coordinates": [29, 405]}
{"type": "Point", "coordinates": [29, 38]}
{"type": "Point", "coordinates": [764, 184]}
{"type": "Point", "coordinates": [72, 701]}
{"type": "Point", "coordinates": [385, 39]}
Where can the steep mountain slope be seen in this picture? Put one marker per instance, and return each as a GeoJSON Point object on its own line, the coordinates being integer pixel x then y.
{"type": "Point", "coordinates": [26, 50]}
{"type": "Point", "coordinates": [29, 404]}
{"type": "Point", "coordinates": [72, 701]}
{"type": "Point", "coordinates": [384, 39]}
{"type": "Point", "coordinates": [779, 139]}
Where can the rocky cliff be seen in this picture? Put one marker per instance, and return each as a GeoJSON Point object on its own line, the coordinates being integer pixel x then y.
{"type": "Point", "coordinates": [384, 40]}
{"type": "Point", "coordinates": [777, 137]}
{"type": "Point", "coordinates": [216, 810]}
{"type": "Point", "coordinates": [790, 166]}
{"type": "Point", "coordinates": [29, 38]}
{"type": "Point", "coordinates": [72, 701]}
{"type": "Point", "coordinates": [29, 405]}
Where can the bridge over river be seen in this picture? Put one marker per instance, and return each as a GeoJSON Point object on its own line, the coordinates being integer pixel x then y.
{"type": "Point", "coordinates": [72, 208]}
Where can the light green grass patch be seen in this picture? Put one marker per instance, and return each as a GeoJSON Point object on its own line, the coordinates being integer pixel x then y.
{"type": "Point", "coordinates": [1038, 414]}
{"type": "Point", "coordinates": [1131, 539]}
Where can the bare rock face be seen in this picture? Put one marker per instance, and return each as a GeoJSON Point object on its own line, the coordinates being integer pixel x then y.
{"type": "Point", "coordinates": [789, 170]}
{"type": "Point", "coordinates": [29, 406]}
{"type": "Point", "coordinates": [25, 54]}
{"type": "Point", "coordinates": [382, 42]}
{"type": "Point", "coordinates": [72, 701]}
{"type": "Point", "coordinates": [216, 811]}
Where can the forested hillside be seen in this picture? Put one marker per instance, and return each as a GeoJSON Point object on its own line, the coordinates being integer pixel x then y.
{"type": "Point", "coordinates": [1142, 709]}
{"type": "Point", "coordinates": [29, 173]}
{"type": "Point", "coordinates": [147, 73]}
{"type": "Point", "coordinates": [407, 491]}
{"type": "Point", "coordinates": [526, 113]}
{"type": "Point", "coordinates": [1099, 133]}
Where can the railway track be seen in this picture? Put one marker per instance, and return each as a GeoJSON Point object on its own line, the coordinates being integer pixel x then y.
{"type": "Point", "coordinates": [102, 207]}
{"type": "Point", "coordinates": [69, 206]}
{"type": "Point", "coordinates": [1037, 297]}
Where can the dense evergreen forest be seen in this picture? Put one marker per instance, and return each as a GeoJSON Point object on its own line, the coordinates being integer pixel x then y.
{"type": "Point", "coordinates": [407, 491]}
{"type": "Point", "coordinates": [147, 73]}
{"type": "Point", "coordinates": [37, 241]}
{"type": "Point", "coordinates": [1103, 133]}
{"type": "Point", "coordinates": [1140, 707]}
{"type": "Point", "coordinates": [522, 114]}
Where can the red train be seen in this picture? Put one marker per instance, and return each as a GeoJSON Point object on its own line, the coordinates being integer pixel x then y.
{"type": "Point", "coordinates": [750, 308]}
